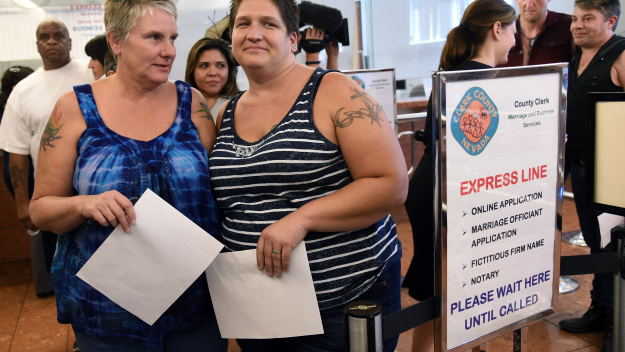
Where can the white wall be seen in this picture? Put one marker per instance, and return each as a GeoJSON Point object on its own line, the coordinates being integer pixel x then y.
{"type": "Point", "coordinates": [193, 21]}
{"type": "Point", "coordinates": [564, 6]}
{"type": "Point", "coordinates": [17, 31]}
{"type": "Point", "coordinates": [389, 30]}
{"type": "Point", "coordinates": [391, 41]}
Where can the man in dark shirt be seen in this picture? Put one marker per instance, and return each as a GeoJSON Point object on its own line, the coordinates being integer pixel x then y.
{"type": "Point", "coordinates": [542, 36]}
{"type": "Point", "coordinates": [598, 67]}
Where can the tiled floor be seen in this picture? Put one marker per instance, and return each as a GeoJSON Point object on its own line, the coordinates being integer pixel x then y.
{"type": "Point", "coordinates": [29, 324]}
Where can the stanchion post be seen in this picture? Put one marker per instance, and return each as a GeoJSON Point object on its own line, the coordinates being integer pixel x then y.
{"type": "Point", "coordinates": [363, 325]}
{"type": "Point", "coordinates": [618, 237]}
{"type": "Point", "coordinates": [519, 340]}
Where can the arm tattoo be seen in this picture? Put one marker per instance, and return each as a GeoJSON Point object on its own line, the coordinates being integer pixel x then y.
{"type": "Point", "coordinates": [206, 111]}
{"type": "Point", "coordinates": [51, 133]}
{"type": "Point", "coordinates": [371, 110]}
{"type": "Point", "coordinates": [16, 176]}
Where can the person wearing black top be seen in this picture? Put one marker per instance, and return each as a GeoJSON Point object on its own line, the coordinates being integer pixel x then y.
{"type": "Point", "coordinates": [482, 40]}
{"type": "Point", "coordinates": [598, 67]}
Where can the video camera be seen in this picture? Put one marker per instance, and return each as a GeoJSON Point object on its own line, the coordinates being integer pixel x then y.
{"type": "Point", "coordinates": [323, 17]}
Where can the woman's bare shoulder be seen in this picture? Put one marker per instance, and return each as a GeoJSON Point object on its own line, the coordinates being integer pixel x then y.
{"type": "Point", "coordinates": [67, 109]}
{"type": "Point", "coordinates": [197, 96]}
{"type": "Point", "coordinates": [335, 89]}
{"type": "Point", "coordinates": [337, 83]}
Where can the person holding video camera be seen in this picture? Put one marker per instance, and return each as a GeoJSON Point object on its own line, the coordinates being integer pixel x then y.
{"type": "Point", "coordinates": [328, 29]}
{"type": "Point", "coordinates": [312, 43]}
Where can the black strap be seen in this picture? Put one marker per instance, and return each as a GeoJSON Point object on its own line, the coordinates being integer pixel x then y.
{"type": "Point", "coordinates": [590, 264]}
{"type": "Point", "coordinates": [420, 313]}
{"type": "Point", "coordinates": [605, 50]}
{"type": "Point", "coordinates": [408, 318]}
{"type": "Point", "coordinates": [618, 41]}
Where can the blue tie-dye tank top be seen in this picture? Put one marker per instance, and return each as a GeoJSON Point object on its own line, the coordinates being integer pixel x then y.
{"type": "Point", "coordinates": [175, 166]}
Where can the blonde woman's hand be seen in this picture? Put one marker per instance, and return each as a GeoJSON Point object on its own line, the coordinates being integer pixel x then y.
{"type": "Point", "coordinates": [110, 208]}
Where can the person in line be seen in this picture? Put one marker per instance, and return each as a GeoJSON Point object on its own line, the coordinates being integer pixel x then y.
{"type": "Point", "coordinates": [10, 78]}
{"type": "Point", "coordinates": [96, 49]}
{"type": "Point", "coordinates": [97, 158]}
{"type": "Point", "coordinates": [307, 155]}
{"type": "Point", "coordinates": [598, 67]}
{"type": "Point", "coordinates": [543, 36]}
{"type": "Point", "coordinates": [24, 120]}
{"type": "Point", "coordinates": [482, 40]}
{"type": "Point", "coordinates": [212, 70]}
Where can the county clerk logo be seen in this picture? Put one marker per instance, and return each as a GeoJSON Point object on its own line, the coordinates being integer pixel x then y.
{"type": "Point", "coordinates": [475, 120]}
{"type": "Point", "coordinates": [359, 80]}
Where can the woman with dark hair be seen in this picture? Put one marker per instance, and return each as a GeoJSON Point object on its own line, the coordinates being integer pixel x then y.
{"type": "Point", "coordinates": [481, 41]}
{"type": "Point", "coordinates": [110, 66]}
{"type": "Point", "coordinates": [211, 69]}
{"type": "Point", "coordinates": [96, 49]}
{"type": "Point", "coordinates": [10, 78]}
{"type": "Point", "coordinates": [306, 155]}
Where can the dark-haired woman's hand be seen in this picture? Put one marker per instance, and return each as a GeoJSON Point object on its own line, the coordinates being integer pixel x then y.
{"type": "Point", "coordinates": [276, 243]}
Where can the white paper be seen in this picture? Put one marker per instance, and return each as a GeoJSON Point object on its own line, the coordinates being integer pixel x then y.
{"type": "Point", "coordinates": [606, 223]}
{"type": "Point", "coordinates": [147, 270]}
{"type": "Point", "coordinates": [250, 304]}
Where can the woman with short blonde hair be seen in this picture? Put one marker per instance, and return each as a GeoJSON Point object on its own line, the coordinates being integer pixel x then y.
{"type": "Point", "coordinates": [105, 144]}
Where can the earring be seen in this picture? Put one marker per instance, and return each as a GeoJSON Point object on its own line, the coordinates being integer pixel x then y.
{"type": "Point", "coordinates": [498, 38]}
{"type": "Point", "coordinates": [294, 47]}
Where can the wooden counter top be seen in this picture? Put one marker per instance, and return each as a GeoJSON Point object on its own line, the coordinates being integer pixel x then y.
{"type": "Point", "coordinates": [413, 103]}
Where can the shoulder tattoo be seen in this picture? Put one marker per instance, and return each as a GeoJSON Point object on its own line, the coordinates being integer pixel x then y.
{"type": "Point", "coordinates": [51, 132]}
{"type": "Point", "coordinates": [372, 110]}
{"type": "Point", "coordinates": [207, 113]}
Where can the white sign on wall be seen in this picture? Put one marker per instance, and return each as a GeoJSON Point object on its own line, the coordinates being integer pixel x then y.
{"type": "Point", "coordinates": [502, 156]}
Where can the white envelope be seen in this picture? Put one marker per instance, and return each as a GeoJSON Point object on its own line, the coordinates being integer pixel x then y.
{"type": "Point", "coordinates": [147, 270]}
{"type": "Point", "coordinates": [249, 304]}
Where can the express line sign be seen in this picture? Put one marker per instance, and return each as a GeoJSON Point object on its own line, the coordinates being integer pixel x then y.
{"type": "Point", "coordinates": [501, 185]}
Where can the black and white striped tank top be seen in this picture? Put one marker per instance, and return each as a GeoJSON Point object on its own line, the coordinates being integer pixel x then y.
{"type": "Point", "coordinates": [256, 184]}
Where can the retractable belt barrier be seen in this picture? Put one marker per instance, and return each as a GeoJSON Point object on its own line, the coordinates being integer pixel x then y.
{"type": "Point", "coordinates": [590, 264]}
{"type": "Point", "coordinates": [408, 318]}
{"type": "Point", "coordinates": [411, 317]}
